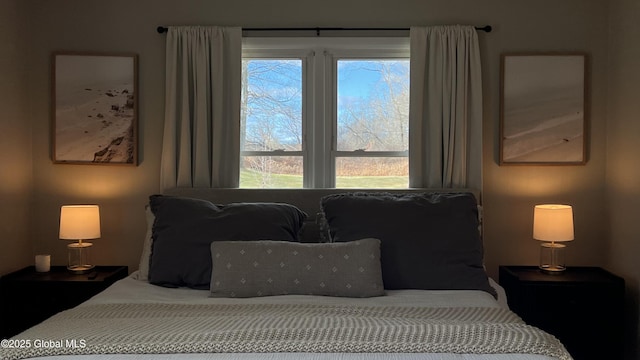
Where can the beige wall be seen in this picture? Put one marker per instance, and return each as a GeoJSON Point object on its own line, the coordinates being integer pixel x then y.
{"type": "Point", "coordinates": [15, 140]}
{"type": "Point", "coordinates": [509, 191]}
{"type": "Point", "coordinates": [623, 160]}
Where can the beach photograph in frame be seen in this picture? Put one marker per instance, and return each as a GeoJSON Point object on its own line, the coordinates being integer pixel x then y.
{"type": "Point", "coordinates": [94, 108]}
{"type": "Point", "coordinates": [543, 109]}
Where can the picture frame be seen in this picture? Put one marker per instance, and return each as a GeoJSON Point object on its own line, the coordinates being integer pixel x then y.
{"type": "Point", "coordinates": [94, 108]}
{"type": "Point", "coordinates": [543, 109]}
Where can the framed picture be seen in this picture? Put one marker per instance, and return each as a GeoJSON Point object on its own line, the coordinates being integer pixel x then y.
{"type": "Point", "coordinates": [543, 112]}
{"type": "Point", "coordinates": [94, 108]}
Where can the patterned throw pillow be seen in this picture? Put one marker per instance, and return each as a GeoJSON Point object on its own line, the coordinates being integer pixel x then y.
{"type": "Point", "coordinates": [263, 268]}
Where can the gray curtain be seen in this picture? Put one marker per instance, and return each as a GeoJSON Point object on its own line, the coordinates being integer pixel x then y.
{"type": "Point", "coordinates": [201, 144]}
{"type": "Point", "coordinates": [445, 114]}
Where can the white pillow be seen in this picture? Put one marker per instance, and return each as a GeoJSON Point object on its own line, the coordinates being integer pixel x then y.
{"type": "Point", "coordinates": [143, 268]}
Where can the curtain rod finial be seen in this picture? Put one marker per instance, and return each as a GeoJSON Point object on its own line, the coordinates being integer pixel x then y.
{"type": "Point", "coordinates": [162, 29]}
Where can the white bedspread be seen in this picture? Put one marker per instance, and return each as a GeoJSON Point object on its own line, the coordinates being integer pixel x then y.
{"type": "Point", "coordinates": [130, 290]}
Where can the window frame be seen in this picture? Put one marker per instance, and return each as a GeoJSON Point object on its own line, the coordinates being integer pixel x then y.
{"type": "Point", "coordinates": [320, 58]}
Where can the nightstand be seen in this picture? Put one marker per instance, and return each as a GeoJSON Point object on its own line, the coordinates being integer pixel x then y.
{"type": "Point", "coordinates": [29, 297]}
{"type": "Point", "coordinates": [582, 307]}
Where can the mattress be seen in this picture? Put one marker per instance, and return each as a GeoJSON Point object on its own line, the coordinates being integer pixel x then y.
{"type": "Point", "coordinates": [133, 291]}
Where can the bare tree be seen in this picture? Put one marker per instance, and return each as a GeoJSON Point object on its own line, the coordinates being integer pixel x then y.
{"type": "Point", "coordinates": [272, 112]}
{"type": "Point", "coordinates": [272, 116]}
{"type": "Point", "coordinates": [380, 122]}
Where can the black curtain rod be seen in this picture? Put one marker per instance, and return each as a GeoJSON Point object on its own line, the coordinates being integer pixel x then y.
{"type": "Point", "coordinates": [487, 28]}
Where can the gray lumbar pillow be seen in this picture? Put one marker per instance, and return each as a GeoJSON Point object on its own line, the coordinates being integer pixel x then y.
{"type": "Point", "coordinates": [262, 268]}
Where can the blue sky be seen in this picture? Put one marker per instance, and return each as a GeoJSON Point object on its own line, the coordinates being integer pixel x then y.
{"type": "Point", "coordinates": [358, 81]}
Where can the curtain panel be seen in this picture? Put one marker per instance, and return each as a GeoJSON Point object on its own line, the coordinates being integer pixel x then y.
{"type": "Point", "coordinates": [445, 111]}
{"type": "Point", "coordinates": [201, 144]}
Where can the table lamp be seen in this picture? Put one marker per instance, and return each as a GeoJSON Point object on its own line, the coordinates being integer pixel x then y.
{"type": "Point", "coordinates": [552, 224]}
{"type": "Point", "coordinates": [78, 223]}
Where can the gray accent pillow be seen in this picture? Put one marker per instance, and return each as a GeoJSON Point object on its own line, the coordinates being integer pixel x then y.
{"type": "Point", "coordinates": [184, 229]}
{"type": "Point", "coordinates": [263, 268]}
{"type": "Point", "coordinates": [428, 241]}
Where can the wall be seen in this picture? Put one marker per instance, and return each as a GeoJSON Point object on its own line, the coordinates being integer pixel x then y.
{"type": "Point", "coordinates": [15, 141]}
{"type": "Point", "coordinates": [623, 163]}
{"type": "Point", "coordinates": [512, 191]}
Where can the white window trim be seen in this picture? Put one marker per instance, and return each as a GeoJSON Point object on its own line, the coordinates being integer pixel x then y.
{"type": "Point", "coordinates": [319, 94]}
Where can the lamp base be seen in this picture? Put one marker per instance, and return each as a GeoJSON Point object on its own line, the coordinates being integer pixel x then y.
{"type": "Point", "coordinates": [79, 258]}
{"type": "Point", "coordinates": [80, 269]}
{"type": "Point", "coordinates": [552, 258]}
{"type": "Point", "coordinates": [552, 270]}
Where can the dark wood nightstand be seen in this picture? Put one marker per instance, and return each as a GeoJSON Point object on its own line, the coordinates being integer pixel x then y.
{"type": "Point", "coordinates": [29, 297]}
{"type": "Point", "coordinates": [582, 307]}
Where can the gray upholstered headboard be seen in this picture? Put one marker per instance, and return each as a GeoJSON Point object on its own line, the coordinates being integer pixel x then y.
{"type": "Point", "coordinates": [307, 200]}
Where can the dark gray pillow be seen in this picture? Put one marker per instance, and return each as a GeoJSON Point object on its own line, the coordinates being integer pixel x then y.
{"type": "Point", "coordinates": [429, 241]}
{"type": "Point", "coordinates": [262, 268]}
{"type": "Point", "coordinates": [184, 229]}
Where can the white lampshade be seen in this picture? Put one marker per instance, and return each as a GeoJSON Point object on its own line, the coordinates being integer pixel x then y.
{"type": "Point", "coordinates": [553, 222]}
{"type": "Point", "coordinates": [79, 222]}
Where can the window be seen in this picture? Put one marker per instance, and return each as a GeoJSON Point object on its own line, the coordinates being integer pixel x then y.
{"type": "Point", "coordinates": [271, 123]}
{"type": "Point", "coordinates": [325, 112]}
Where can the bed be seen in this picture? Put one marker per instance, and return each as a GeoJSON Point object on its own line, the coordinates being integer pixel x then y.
{"type": "Point", "coordinates": [300, 274]}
